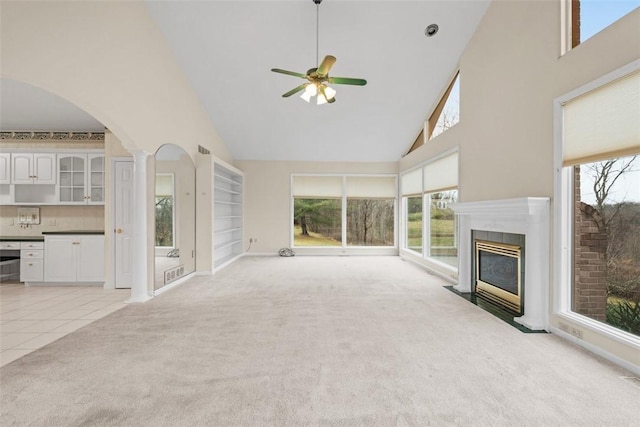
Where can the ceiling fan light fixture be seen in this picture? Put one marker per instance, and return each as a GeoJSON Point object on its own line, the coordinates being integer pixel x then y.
{"type": "Point", "coordinates": [309, 91]}
{"type": "Point", "coordinates": [329, 92]}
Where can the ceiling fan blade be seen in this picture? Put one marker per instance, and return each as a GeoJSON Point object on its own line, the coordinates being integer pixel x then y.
{"type": "Point", "coordinates": [347, 81]}
{"type": "Point", "coordinates": [325, 66]}
{"type": "Point", "coordinates": [290, 73]}
{"type": "Point", "coordinates": [294, 91]}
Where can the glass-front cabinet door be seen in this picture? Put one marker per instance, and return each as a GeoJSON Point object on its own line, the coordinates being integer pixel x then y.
{"type": "Point", "coordinates": [96, 179]}
{"type": "Point", "coordinates": [81, 179]}
{"type": "Point", "coordinates": [72, 178]}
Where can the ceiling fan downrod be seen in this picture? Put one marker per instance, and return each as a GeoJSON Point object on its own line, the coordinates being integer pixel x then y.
{"type": "Point", "coordinates": [317, 3]}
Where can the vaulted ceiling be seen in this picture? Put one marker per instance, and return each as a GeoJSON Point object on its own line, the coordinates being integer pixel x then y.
{"type": "Point", "coordinates": [227, 48]}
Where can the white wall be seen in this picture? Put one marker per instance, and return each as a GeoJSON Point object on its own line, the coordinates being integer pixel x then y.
{"type": "Point", "coordinates": [109, 59]}
{"type": "Point", "coordinates": [511, 72]}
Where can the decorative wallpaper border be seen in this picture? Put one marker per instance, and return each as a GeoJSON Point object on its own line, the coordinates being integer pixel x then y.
{"type": "Point", "coordinates": [56, 136]}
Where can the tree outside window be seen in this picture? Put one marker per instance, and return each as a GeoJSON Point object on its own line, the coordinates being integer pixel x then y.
{"type": "Point", "coordinates": [317, 222]}
{"type": "Point", "coordinates": [370, 222]}
{"type": "Point", "coordinates": [607, 242]}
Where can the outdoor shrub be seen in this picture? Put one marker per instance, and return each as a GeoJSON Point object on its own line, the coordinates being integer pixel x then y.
{"type": "Point", "coordinates": [624, 315]}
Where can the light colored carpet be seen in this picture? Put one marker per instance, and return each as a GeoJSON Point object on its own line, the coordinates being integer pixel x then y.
{"type": "Point", "coordinates": [371, 341]}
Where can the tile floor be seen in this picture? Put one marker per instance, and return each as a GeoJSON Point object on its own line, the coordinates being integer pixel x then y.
{"type": "Point", "coordinates": [32, 317]}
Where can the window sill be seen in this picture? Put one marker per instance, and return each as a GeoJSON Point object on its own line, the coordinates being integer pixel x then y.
{"type": "Point", "coordinates": [616, 334]}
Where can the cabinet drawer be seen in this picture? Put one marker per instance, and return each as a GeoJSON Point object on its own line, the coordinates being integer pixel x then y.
{"type": "Point", "coordinates": [32, 245]}
{"type": "Point", "coordinates": [31, 270]}
{"type": "Point", "coordinates": [30, 254]}
{"type": "Point", "coordinates": [9, 245]}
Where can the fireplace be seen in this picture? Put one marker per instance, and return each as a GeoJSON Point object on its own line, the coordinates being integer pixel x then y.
{"type": "Point", "coordinates": [499, 274]}
{"type": "Point", "coordinates": [527, 217]}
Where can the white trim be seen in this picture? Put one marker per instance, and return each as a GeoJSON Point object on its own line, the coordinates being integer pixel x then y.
{"type": "Point", "coordinates": [566, 29]}
{"type": "Point", "coordinates": [562, 276]}
{"type": "Point", "coordinates": [112, 219]}
{"type": "Point", "coordinates": [632, 367]}
{"type": "Point", "coordinates": [140, 286]}
{"type": "Point", "coordinates": [437, 157]}
{"type": "Point", "coordinates": [528, 216]}
{"type": "Point", "coordinates": [426, 264]}
{"type": "Point", "coordinates": [599, 82]}
{"type": "Point", "coordinates": [228, 262]}
{"type": "Point", "coordinates": [174, 284]}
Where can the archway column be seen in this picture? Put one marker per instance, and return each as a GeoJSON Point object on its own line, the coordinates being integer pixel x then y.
{"type": "Point", "coordinates": [140, 286]}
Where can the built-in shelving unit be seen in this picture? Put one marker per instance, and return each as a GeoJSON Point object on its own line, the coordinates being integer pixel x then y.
{"type": "Point", "coordinates": [227, 214]}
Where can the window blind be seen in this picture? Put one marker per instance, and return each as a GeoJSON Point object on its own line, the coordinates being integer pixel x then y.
{"type": "Point", "coordinates": [411, 182]}
{"type": "Point", "coordinates": [317, 186]}
{"type": "Point", "coordinates": [603, 123]}
{"type": "Point", "coordinates": [371, 187]}
{"type": "Point", "coordinates": [164, 185]}
{"type": "Point", "coordinates": [441, 174]}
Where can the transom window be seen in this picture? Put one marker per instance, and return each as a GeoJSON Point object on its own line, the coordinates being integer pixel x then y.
{"type": "Point", "coordinates": [589, 17]}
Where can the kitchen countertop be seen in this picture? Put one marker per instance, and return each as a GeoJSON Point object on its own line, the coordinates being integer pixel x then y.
{"type": "Point", "coordinates": [97, 232]}
{"type": "Point", "coordinates": [21, 238]}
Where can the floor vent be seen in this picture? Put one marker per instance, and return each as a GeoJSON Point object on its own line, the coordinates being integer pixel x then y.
{"type": "Point", "coordinates": [173, 273]}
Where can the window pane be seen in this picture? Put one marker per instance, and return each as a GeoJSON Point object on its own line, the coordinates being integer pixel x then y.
{"type": "Point", "coordinates": [450, 114]}
{"type": "Point", "coordinates": [370, 222]}
{"type": "Point", "coordinates": [442, 226]}
{"type": "Point", "coordinates": [164, 221]}
{"type": "Point", "coordinates": [414, 223]}
{"type": "Point", "coordinates": [317, 222]}
{"type": "Point", "coordinates": [596, 15]}
{"type": "Point", "coordinates": [606, 284]}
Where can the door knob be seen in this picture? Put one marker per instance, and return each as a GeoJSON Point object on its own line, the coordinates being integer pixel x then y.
{"type": "Point", "coordinates": [119, 230]}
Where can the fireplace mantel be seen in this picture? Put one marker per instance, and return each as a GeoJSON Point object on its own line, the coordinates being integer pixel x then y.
{"type": "Point", "coordinates": [528, 216]}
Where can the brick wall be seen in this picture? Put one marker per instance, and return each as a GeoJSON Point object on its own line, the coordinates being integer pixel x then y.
{"type": "Point", "coordinates": [590, 259]}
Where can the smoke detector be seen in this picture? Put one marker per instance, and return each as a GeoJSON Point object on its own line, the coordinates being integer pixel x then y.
{"type": "Point", "coordinates": [431, 30]}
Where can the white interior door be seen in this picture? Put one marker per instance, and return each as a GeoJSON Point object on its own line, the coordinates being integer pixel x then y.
{"type": "Point", "coordinates": [123, 223]}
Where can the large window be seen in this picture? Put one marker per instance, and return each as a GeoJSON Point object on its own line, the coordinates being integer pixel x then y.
{"type": "Point", "coordinates": [317, 222]}
{"type": "Point", "coordinates": [599, 185]}
{"type": "Point", "coordinates": [413, 220]}
{"type": "Point", "coordinates": [606, 285]}
{"type": "Point", "coordinates": [442, 227]}
{"type": "Point", "coordinates": [342, 211]}
{"type": "Point", "coordinates": [429, 223]}
{"type": "Point", "coordinates": [370, 222]}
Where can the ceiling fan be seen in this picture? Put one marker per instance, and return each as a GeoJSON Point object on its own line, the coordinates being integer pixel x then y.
{"type": "Point", "coordinates": [317, 78]}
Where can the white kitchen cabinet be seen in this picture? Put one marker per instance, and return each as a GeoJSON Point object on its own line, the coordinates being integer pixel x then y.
{"type": "Point", "coordinates": [81, 178]}
{"type": "Point", "coordinates": [33, 168]}
{"type": "Point", "coordinates": [5, 168]}
{"type": "Point", "coordinates": [74, 258]}
{"type": "Point", "coordinates": [31, 261]}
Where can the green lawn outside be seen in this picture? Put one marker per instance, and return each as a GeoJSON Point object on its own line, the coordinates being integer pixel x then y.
{"type": "Point", "coordinates": [313, 239]}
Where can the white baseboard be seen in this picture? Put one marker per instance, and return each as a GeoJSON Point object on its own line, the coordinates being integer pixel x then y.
{"type": "Point", "coordinates": [597, 350]}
